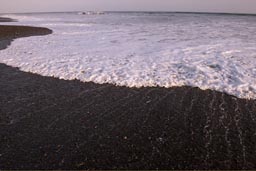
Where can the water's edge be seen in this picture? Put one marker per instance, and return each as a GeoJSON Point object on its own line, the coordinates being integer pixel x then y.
{"type": "Point", "coordinates": [136, 50]}
{"type": "Point", "coordinates": [48, 123]}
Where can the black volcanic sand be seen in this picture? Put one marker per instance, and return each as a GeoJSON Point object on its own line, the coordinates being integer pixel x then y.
{"type": "Point", "coordinates": [8, 33]}
{"type": "Point", "coordinates": [48, 123]}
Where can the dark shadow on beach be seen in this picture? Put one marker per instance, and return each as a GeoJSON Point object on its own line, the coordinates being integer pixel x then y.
{"type": "Point", "coordinates": [48, 123]}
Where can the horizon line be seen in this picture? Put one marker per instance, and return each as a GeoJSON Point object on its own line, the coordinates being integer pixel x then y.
{"type": "Point", "coordinates": [135, 11]}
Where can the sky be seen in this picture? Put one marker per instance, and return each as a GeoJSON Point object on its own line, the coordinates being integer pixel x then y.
{"type": "Point", "coordinates": [228, 6]}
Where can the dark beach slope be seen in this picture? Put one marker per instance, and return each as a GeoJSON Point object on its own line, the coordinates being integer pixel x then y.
{"type": "Point", "coordinates": [8, 33]}
{"type": "Point", "coordinates": [48, 123]}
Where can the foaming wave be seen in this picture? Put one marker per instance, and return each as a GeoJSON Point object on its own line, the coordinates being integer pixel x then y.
{"type": "Point", "coordinates": [210, 52]}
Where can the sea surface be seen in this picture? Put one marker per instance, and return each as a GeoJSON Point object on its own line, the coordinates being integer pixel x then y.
{"type": "Point", "coordinates": [209, 51]}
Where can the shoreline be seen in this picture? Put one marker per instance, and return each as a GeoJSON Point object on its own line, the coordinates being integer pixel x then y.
{"type": "Point", "coordinates": [49, 123]}
{"type": "Point", "coordinates": [8, 33]}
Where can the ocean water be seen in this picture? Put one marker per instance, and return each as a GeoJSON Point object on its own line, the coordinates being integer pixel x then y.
{"type": "Point", "coordinates": [208, 51]}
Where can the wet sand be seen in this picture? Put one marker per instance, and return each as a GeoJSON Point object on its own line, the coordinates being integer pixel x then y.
{"type": "Point", "coordinates": [48, 123]}
{"type": "Point", "coordinates": [9, 33]}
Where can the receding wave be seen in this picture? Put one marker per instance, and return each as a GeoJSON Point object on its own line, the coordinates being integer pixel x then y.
{"type": "Point", "coordinates": [207, 51]}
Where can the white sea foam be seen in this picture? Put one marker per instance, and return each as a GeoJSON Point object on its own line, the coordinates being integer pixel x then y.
{"type": "Point", "coordinates": [138, 49]}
